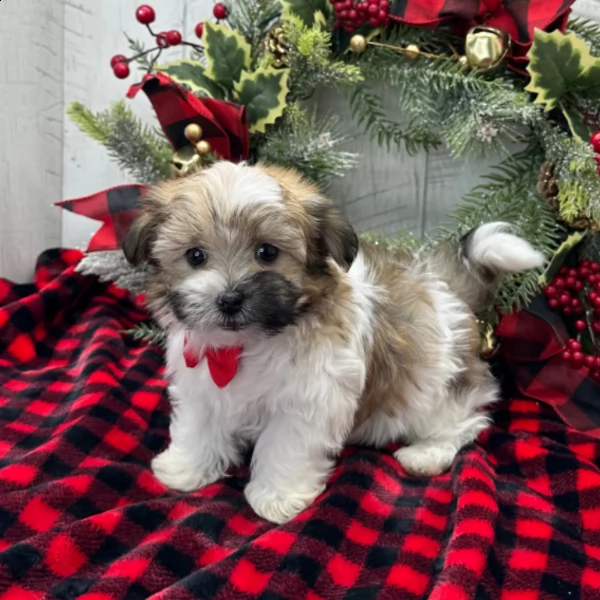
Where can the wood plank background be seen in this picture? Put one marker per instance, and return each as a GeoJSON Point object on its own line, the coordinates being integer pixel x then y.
{"type": "Point", "coordinates": [57, 51]}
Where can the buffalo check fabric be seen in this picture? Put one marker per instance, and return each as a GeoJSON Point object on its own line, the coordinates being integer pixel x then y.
{"type": "Point", "coordinates": [83, 409]}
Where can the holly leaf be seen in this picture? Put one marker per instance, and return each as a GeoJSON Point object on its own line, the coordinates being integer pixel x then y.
{"type": "Point", "coordinates": [558, 64]}
{"type": "Point", "coordinates": [576, 123]}
{"type": "Point", "coordinates": [558, 258]}
{"type": "Point", "coordinates": [264, 93]}
{"type": "Point", "coordinates": [307, 9]}
{"type": "Point", "coordinates": [192, 74]}
{"type": "Point", "coordinates": [227, 54]}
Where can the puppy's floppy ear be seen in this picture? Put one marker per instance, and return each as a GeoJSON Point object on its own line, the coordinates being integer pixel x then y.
{"type": "Point", "coordinates": [335, 236]}
{"type": "Point", "coordinates": [138, 241]}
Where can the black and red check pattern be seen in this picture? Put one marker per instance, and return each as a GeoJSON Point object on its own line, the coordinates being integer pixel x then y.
{"type": "Point", "coordinates": [83, 409]}
{"type": "Point", "coordinates": [518, 17]}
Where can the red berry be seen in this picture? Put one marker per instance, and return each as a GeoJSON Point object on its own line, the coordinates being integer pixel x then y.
{"type": "Point", "coordinates": [145, 14]}
{"type": "Point", "coordinates": [564, 298]}
{"type": "Point", "coordinates": [595, 267]}
{"type": "Point", "coordinates": [595, 141]}
{"type": "Point", "coordinates": [374, 21]}
{"type": "Point", "coordinates": [563, 271]}
{"type": "Point", "coordinates": [572, 273]}
{"type": "Point", "coordinates": [570, 282]}
{"type": "Point", "coordinates": [578, 285]}
{"type": "Point", "coordinates": [597, 302]}
{"type": "Point", "coordinates": [220, 11]}
{"type": "Point", "coordinates": [161, 40]}
{"type": "Point", "coordinates": [384, 5]}
{"type": "Point", "coordinates": [174, 38]}
{"type": "Point", "coordinates": [121, 70]}
{"type": "Point", "coordinates": [349, 27]}
{"type": "Point", "coordinates": [567, 310]}
{"type": "Point", "coordinates": [589, 361]}
{"type": "Point", "coordinates": [119, 58]}
{"type": "Point", "coordinates": [559, 282]}
{"type": "Point", "coordinates": [596, 328]}
{"type": "Point", "coordinates": [577, 360]}
{"type": "Point", "coordinates": [586, 262]}
{"type": "Point", "coordinates": [553, 303]}
{"type": "Point", "coordinates": [566, 355]}
{"type": "Point", "coordinates": [575, 303]}
{"type": "Point", "coordinates": [597, 362]}
{"type": "Point", "coordinates": [348, 3]}
{"type": "Point", "coordinates": [573, 345]}
{"type": "Point", "coordinates": [595, 375]}
{"type": "Point", "coordinates": [592, 296]}
{"type": "Point", "coordinates": [580, 325]}
{"type": "Point", "coordinates": [592, 278]}
{"type": "Point", "coordinates": [373, 9]}
{"type": "Point", "coordinates": [353, 15]}
{"type": "Point", "coordinates": [344, 14]}
{"type": "Point", "coordinates": [550, 291]}
{"type": "Point", "coordinates": [199, 30]}
{"type": "Point", "coordinates": [583, 271]}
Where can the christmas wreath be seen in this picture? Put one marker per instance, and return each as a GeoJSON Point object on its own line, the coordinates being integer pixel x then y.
{"type": "Point", "coordinates": [465, 77]}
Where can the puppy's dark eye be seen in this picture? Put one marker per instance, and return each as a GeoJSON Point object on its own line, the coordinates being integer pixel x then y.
{"type": "Point", "coordinates": [196, 257]}
{"type": "Point", "coordinates": [267, 253]}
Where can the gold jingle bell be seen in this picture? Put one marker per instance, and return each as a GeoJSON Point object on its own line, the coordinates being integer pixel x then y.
{"type": "Point", "coordinates": [358, 43]}
{"type": "Point", "coordinates": [185, 162]}
{"type": "Point", "coordinates": [486, 47]}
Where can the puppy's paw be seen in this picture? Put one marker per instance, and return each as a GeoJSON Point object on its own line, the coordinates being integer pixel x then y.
{"type": "Point", "coordinates": [177, 472]}
{"type": "Point", "coordinates": [426, 460]}
{"type": "Point", "coordinates": [274, 505]}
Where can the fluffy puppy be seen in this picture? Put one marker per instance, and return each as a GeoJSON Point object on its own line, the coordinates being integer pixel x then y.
{"type": "Point", "coordinates": [323, 343]}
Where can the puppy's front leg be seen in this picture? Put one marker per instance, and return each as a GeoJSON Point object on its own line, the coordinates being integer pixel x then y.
{"type": "Point", "coordinates": [290, 466]}
{"type": "Point", "coordinates": [200, 451]}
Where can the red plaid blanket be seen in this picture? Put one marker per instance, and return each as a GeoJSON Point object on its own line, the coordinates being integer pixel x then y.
{"type": "Point", "coordinates": [83, 409]}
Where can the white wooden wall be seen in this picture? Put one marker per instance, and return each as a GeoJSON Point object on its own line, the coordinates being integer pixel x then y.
{"type": "Point", "coordinates": [55, 52]}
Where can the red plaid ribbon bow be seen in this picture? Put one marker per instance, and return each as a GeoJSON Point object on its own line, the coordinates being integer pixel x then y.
{"type": "Point", "coordinates": [519, 18]}
{"type": "Point", "coordinates": [224, 126]}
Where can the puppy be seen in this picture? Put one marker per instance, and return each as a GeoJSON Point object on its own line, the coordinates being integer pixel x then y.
{"type": "Point", "coordinates": [283, 334]}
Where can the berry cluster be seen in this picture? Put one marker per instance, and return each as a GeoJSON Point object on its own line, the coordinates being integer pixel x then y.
{"type": "Point", "coordinates": [146, 15]}
{"type": "Point", "coordinates": [350, 15]}
{"type": "Point", "coordinates": [576, 292]}
{"type": "Point", "coordinates": [595, 142]}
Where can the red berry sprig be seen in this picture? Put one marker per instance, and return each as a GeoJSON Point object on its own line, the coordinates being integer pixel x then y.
{"type": "Point", "coordinates": [146, 15]}
{"type": "Point", "coordinates": [595, 142]}
{"type": "Point", "coordinates": [220, 11]}
{"type": "Point", "coordinates": [351, 15]}
{"type": "Point", "coordinates": [576, 293]}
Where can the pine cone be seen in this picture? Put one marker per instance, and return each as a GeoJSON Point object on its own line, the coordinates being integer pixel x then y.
{"type": "Point", "coordinates": [276, 43]}
{"type": "Point", "coordinates": [547, 186]}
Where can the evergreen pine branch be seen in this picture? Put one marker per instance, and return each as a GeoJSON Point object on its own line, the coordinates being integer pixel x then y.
{"type": "Point", "coordinates": [588, 30]}
{"type": "Point", "coordinates": [148, 333]}
{"type": "Point", "coordinates": [144, 62]}
{"type": "Point", "coordinates": [132, 144]}
{"type": "Point", "coordinates": [309, 144]}
{"type": "Point", "coordinates": [253, 19]}
{"type": "Point", "coordinates": [368, 110]}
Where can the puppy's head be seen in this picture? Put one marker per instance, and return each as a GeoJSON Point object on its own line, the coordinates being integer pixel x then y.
{"type": "Point", "coordinates": [239, 248]}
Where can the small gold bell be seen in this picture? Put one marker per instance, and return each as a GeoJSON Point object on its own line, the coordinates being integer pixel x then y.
{"type": "Point", "coordinates": [203, 148]}
{"type": "Point", "coordinates": [193, 133]}
{"type": "Point", "coordinates": [358, 43]}
{"type": "Point", "coordinates": [412, 51]}
{"type": "Point", "coordinates": [486, 47]}
{"type": "Point", "coordinates": [185, 162]}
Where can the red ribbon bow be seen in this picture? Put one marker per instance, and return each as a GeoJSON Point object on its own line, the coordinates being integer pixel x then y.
{"type": "Point", "coordinates": [223, 363]}
{"type": "Point", "coordinates": [224, 126]}
{"type": "Point", "coordinates": [519, 18]}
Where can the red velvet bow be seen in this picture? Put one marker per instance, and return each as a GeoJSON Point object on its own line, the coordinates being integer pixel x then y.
{"type": "Point", "coordinates": [224, 126]}
{"type": "Point", "coordinates": [223, 363]}
{"type": "Point", "coordinates": [518, 17]}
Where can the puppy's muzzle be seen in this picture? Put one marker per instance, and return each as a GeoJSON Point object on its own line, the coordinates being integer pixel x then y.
{"type": "Point", "coordinates": [230, 303]}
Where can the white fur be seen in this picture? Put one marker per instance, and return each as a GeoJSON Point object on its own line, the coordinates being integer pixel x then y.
{"type": "Point", "coordinates": [502, 252]}
{"type": "Point", "coordinates": [295, 404]}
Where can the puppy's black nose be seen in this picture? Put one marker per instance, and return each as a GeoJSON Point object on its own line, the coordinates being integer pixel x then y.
{"type": "Point", "coordinates": [230, 302]}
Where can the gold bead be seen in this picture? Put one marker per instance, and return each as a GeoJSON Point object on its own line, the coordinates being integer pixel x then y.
{"type": "Point", "coordinates": [486, 47]}
{"type": "Point", "coordinates": [203, 148]}
{"type": "Point", "coordinates": [412, 51]}
{"type": "Point", "coordinates": [193, 133]}
{"type": "Point", "coordinates": [358, 43]}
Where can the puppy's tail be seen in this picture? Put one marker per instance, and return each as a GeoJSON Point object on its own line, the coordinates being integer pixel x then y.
{"type": "Point", "coordinates": [486, 255]}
